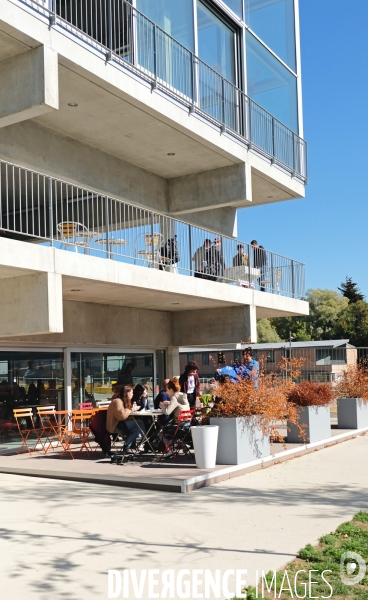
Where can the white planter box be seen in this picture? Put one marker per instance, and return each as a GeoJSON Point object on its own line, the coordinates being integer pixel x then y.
{"type": "Point", "coordinates": [205, 445]}
{"type": "Point", "coordinates": [352, 413]}
{"type": "Point", "coordinates": [240, 440]}
{"type": "Point", "coordinates": [318, 422]}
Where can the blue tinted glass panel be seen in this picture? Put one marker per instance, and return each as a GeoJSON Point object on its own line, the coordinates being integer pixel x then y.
{"type": "Point", "coordinates": [216, 43]}
{"type": "Point", "coordinates": [273, 22]}
{"type": "Point", "coordinates": [173, 16]}
{"type": "Point", "coordinates": [236, 6]}
{"type": "Point", "coordinates": [270, 84]}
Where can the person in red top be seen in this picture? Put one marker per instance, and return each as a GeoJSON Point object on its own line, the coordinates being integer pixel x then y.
{"type": "Point", "coordinates": [189, 383]}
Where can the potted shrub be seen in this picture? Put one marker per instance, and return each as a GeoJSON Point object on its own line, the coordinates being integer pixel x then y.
{"type": "Point", "coordinates": [351, 392]}
{"type": "Point", "coordinates": [248, 416]}
{"type": "Point", "coordinates": [312, 401]}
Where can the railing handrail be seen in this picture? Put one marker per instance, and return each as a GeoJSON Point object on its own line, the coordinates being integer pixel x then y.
{"type": "Point", "coordinates": [133, 206]}
{"type": "Point", "coordinates": [194, 58]}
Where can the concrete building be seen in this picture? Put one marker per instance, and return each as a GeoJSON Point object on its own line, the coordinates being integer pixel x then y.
{"type": "Point", "coordinates": [321, 361]}
{"type": "Point", "coordinates": [131, 133]}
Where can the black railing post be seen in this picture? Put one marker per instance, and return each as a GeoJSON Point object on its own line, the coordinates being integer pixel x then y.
{"type": "Point", "coordinates": [294, 158]}
{"type": "Point", "coordinates": [273, 141]}
{"type": "Point", "coordinates": [154, 83]}
{"type": "Point", "coordinates": [249, 122]}
{"type": "Point", "coordinates": [52, 18]}
{"type": "Point", "coordinates": [272, 274]}
{"type": "Point", "coordinates": [107, 228]}
{"type": "Point", "coordinates": [51, 224]}
{"type": "Point", "coordinates": [109, 30]}
{"type": "Point", "coordinates": [153, 238]}
{"type": "Point", "coordinates": [292, 279]}
{"type": "Point", "coordinates": [223, 102]}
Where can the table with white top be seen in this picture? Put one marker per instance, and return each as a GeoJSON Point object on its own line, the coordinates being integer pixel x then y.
{"type": "Point", "coordinates": [154, 414]}
{"type": "Point", "coordinates": [243, 275]}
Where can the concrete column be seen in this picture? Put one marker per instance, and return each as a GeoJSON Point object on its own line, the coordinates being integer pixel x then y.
{"type": "Point", "coordinates": [173, 361]}
{"type": "Point", "coordinates": [31, 304]}
{"type": "Point", "coordinates": [216, 326]}
{"type": "Point", "coordinates": [29, 85]}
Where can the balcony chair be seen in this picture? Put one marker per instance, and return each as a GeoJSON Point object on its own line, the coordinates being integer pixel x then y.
{"type": "Point", "coordinates": [71, 233]}
{"type": "Point", "coordinates": [147, 248]}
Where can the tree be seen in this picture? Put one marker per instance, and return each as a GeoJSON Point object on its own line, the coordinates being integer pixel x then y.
{"type": "Point", "coordinates": [325, 308]}
{"type": "Point", "coordinates": [350, 290]}
{"type": "Point", "coordinates": [266, 333]}
{"type": "Point", "coordinates": [352, 323]}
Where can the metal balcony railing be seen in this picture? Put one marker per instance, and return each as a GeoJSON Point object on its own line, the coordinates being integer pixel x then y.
{"type": "Point", "coordinates": [124, 35]}
{"type": "Point", "coordinates": [38, 208]}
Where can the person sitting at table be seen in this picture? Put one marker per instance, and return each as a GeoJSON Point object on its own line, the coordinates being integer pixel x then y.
{"type": "Point", "coordinates": [178, 401]}
{"type": "Point", "coordinates": [163, 395]}
{"type": "Point", "coordinates": [140, 397]}
{"type": "Point", "coordinates": [119, 418]}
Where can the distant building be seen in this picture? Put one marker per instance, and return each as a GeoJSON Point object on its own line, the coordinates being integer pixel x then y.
{"type": "Point", "coordinates": [323, 360]}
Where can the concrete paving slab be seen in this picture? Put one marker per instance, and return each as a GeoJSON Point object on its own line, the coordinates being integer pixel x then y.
{"type": "Point", "coordinates": [59, 538]}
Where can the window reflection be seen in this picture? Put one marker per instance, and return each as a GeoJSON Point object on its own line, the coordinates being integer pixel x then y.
{"type": "Point", "coordinates": [96, 376]}
{"type": "Point", "coordinates": [28, 379]}
{"type": "Point", "coordinates": [235, 6]}
{"type": "Point", "coordinates": [175, 17]}
{"type": "Point", "coordinates": [273, 22]}
{"type": "Point", "coordinates": [216, 43]}
{"type": "Point", "coordinates": [270, 84]}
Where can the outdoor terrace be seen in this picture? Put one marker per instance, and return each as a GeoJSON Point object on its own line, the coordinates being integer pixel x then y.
{"type": "Point", "coordinates": [44, 210]}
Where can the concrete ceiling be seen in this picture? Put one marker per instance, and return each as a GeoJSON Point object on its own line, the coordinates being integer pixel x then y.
{"type": "Point", "coordinates": [105, 121]}
{"type": "Point", "coordinates": [118, 295]}
{"type": "Point", "coordinates": [265, 190]}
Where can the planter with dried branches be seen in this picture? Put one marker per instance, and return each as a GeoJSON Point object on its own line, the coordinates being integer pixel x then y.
{"type": "Point", "coordinates": [351, 392]}
{"type": "Point", "coordinates": [248, 414]}
{"type": "Point", "coordinates": [312, 401]}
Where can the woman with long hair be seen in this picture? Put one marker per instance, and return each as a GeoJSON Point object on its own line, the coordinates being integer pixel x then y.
{"type": "Point", "coordinates": [119, 420]}
{"type": "Point", "coordinates": [189, 383]}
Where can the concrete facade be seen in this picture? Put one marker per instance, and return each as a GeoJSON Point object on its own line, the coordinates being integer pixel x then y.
{"type": "Point", "coordinates": [68, 113]}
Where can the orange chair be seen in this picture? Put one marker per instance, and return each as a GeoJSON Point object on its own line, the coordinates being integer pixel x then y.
{"type": "Point", "coordinates": [28, 431]}
{"type": "Point", "coordinates": [85, 406]}
{"type": "Point", "coordinates": [80, 431]}
{"type": "Point", "coordinates": [174, 437]}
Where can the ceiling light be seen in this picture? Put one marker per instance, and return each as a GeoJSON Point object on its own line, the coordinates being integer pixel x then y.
{"type": "Point", "coordinates": [75, 290]}
{"type": "Point", "coordinates": [175, 303]}
{"type": "Point", "coordinates": [73, 104]}
{"type": "Point", "coordinates": [269, 196]}
{"type": "Point", "coordinates": [171, 154]}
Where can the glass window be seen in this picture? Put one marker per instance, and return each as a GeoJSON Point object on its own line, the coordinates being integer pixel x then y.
{"type": "Point", "coordinates": [190, 358]}
{"type": "Point", "coordinates": [235, 6]}
{"type": "Point", "coordinates": [270, 84]}
{"type": "Point", "coordinates": [237, 355]}
{"type": "Point", "coordinates": [205, 358]}
{"type": "Point", "coordinates": [270, 356]}
{"type": "Point", "coordinates": [94, 374]}
{"type": "Point", "coordinates": [273, 21]}
{"type": "Point", "coordinates": [175, 17]}
{"type": "Point", "coordinates": [216, 43]}
{"type": "Point", "coordinates": [28, 379]}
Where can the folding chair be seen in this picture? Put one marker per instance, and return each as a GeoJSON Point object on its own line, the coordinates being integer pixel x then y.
{"type": "Point", "coordinates": [85, 406]}
{"type": "Point", "coordinates": [80, 430]}
{"type": "Point", "coordinates": [175, 437]}
{"type": "Point", "coordinates": [48, 424]}
{"type": "Point", "coordinates": [28, 431]}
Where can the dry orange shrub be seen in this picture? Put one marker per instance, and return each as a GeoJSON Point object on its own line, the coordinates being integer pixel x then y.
{"type": "Point", "coordinates": [267, 403]}
{"type": "Point", "coordinates": [353, 382]}
{"type": "Point", "coordinates": [311, 393]}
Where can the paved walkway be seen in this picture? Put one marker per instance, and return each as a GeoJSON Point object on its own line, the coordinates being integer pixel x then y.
{"type": "Point", "coordinates": [59, 538]}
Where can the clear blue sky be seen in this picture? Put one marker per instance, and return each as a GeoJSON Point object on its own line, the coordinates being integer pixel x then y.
{"type": "Point", "coordinates": [328, 230]}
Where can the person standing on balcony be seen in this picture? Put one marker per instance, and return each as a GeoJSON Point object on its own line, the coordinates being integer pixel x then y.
{"type": "Point", "coordinates": [201, 260]}
{"type": "Point", "coordinates": [259, 261]}
{"type": "Point", "coordinates": [189, 383]}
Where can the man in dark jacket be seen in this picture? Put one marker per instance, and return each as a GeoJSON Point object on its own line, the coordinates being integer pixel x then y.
{"type": "Point", "coordinates": [259, 261]}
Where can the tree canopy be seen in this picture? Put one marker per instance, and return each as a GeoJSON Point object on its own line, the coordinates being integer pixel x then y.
{"type": "Point", "coordinates": [350, 290]}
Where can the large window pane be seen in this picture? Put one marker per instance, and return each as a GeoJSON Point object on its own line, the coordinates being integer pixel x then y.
{"type": "Point", "coordinates": [273, 22]}
{"type": "Point", "coordinates": [94, 374]}
{"type": "Point", "coordinates": [271, 85]}
{"type": "Point", "coordinates": [28, 379]}
{"type": "Point", "coordinates": [216, 43]}
{"type": "Point", "coordinates": [173, 16]}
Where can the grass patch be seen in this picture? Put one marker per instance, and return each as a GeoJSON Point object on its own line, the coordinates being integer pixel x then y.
{"type": "Point", "coordinates": [349, 537]}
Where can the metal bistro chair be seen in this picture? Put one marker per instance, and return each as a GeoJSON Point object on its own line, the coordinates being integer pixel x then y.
{"type": "Point", "coordinates": [72, 233]}
{"type": "Point", "coordinates": [147, 247]}
{"type": "Point", "coordinates": [29, 432]}
{"type": "Point", "coordinates": [175, 437]}
{"type": "Point", "coordinates": [80, 431]}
